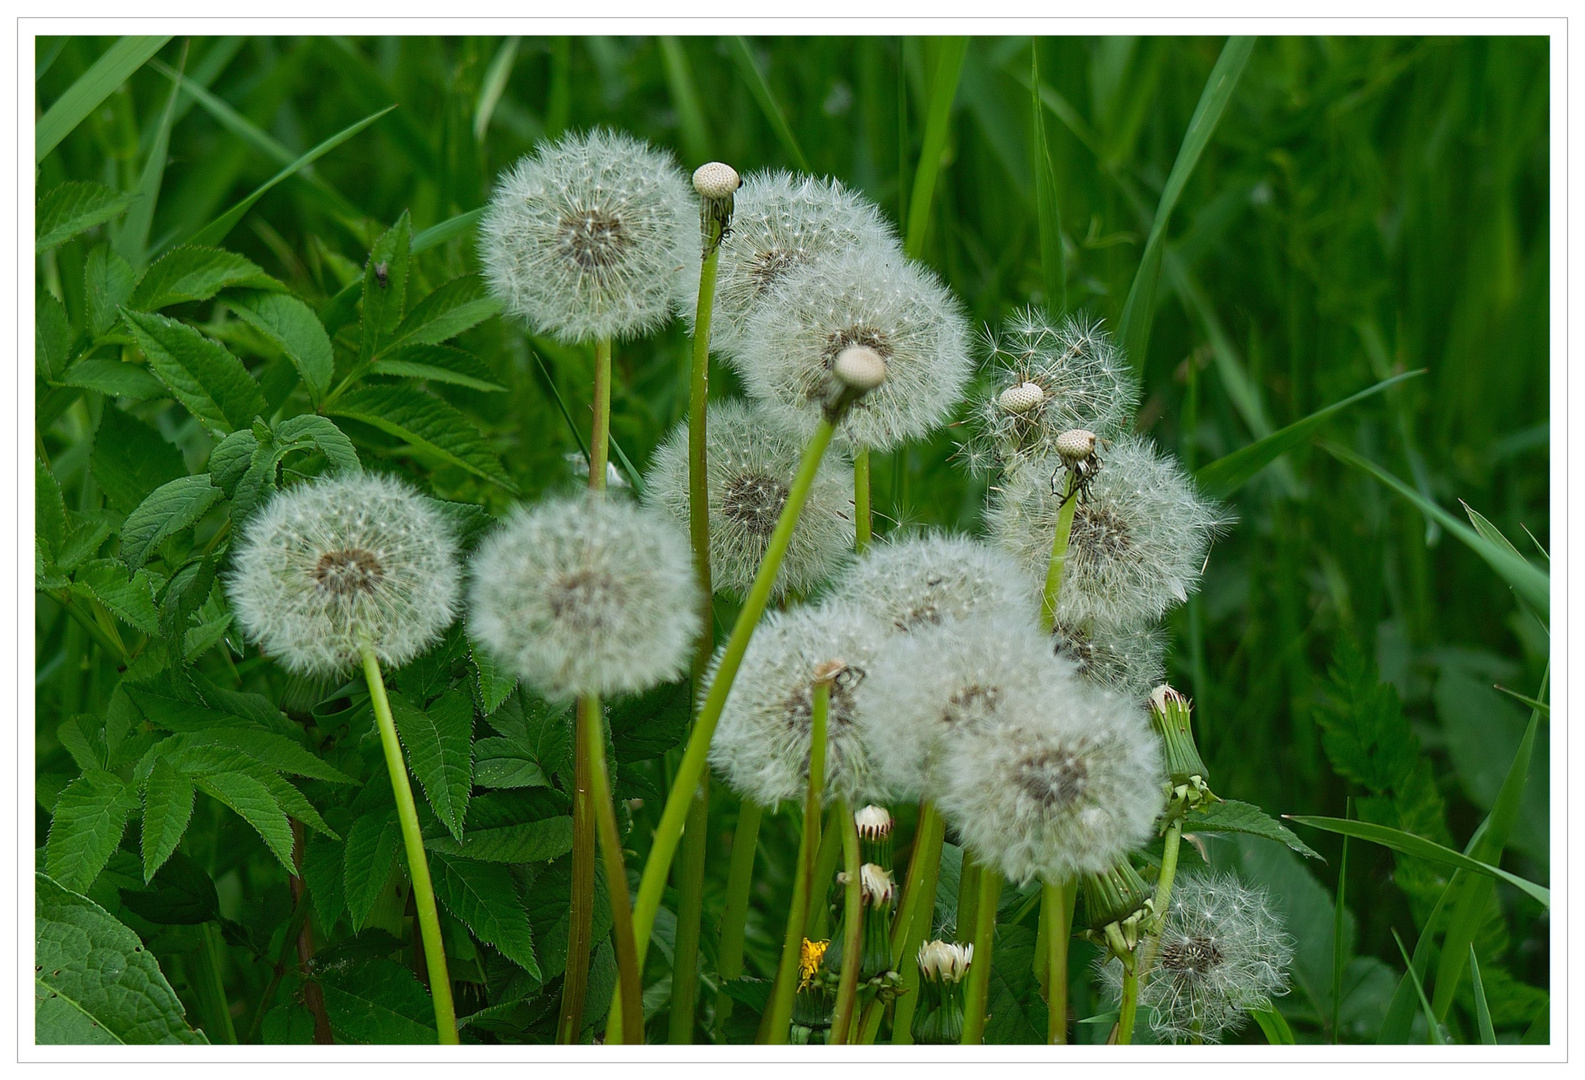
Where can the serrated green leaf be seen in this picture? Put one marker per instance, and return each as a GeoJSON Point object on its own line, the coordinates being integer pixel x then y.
{"type": "Point", "coordinates": [49, 509]}
{"type": "Point", "coordinates": [427, 423]}
{"type": "Point", "coordinates": [1363, 729]}
{"type": "Point", "coordinates": [492, 684]}
{"type": "Point", "coordinates": [301, 431]}
{"type": "Point", "coordinates": [86, 827]}
{"type": "Point", "coordinates": [377, 1002]}
{"type": "Point", "coordinates": [485, 896]}
{"type": "Point", "coordinates": [74, 207]}
{"type": "Point", "coordinates": [367, 860]}
{"type": "Point", "coordinates": [439, 744]}
{"type": "Point", "coordinates": [204, 376]}
{"type": "Point", "coordinates": [108, 281]}
{"type": "Point", "coordinates": [274, 752]}
{"type": "Point", "coordinates": [167, 808]}
{"type": "Point", "coordinates": [205, 636]}
{"type": "Point", "coordinates": [84, 536]}
{"type": "Point", "coordinates": [94, 980]}
{"type": "Point", "coordinates": [181, 894]}
{"type": "Point", "coordinates": [438, 363]}
{"type": "Point", "coordinates": [229, 460]}
{"type": "Point", "coordinates": [114, 378]}
{"type": "Point", "coordinates": [385, 286]}
{"type": "Point", "coordinates": [129, 599]}
{"type": "Point", "coordinates": [506, 763]}
{"type": "Point", "coordinates": [252, 802]}
{"type": "Point", "coordinates": [85, 95]}
{"type": "Point", "coordinates": [130, 459]}
{"type": "Point", "coordinates": [88, 753]}
{"type": "Point", "coordinates": [443, 314]}
{"type": "Point", "coordinates": [293, 326]}
{"type": "Point", "coordinates": [1242, 817]}
{"type": "Point", "coordinates": [52, 336]}
{"type": "Point", "coordinates": [168, 509]}
{"type": "Point", "coordinates": [323, 874]}
{"type": "Point", "coordinates": [165, 706]}
{"type": "Point", "coordinates": [193, 272]}
{"type": "Point", "coordinates": [532, 841]}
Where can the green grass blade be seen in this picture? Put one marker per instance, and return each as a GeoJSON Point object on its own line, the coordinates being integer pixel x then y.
{"type": "Point", "coordinates": [755, 78]}
{"type": "Point", "coordinates": [1222, 477]}
{"type": "Point", "coordinates": [1540, 706]}
{"type": "Point", "coordinates": [1339, 955]}
{"type": "Point", "coordinates": [493, 86]}
{"type": "Point", "coordinates": [216, 230]}
{"type": "Point", "coordinates": [1053, 267]}
{"type": "Point", "coordinates": [132, 238]}
{"type": "Point", "coordinates": [938, 111]}
{"type": "Point", "coordinates": [1395, 1026]}
{"type": "Point", "coordinates": [436, 235]}
{"type": "Point", "coordinates": [1421, 848]}
{"type": "Point", "coordinates": [1488, 1036]}
{"type": "Point", "coordinates": [1274, 1025]}
{"type": "Point", "coordinates": [1487, 529]}
{"type": "Point", "coordinates": [1530, 583]}
{"type": "Point", "coordinates": [685, 99]}
{"type": "Point", "coordinates": [1140, 308]}
{"type": "Point", "coordinates": [566, 414]}
{"type": "Point", "coordinates": [1435, 1028]}
{"type": "Point", "coordinates": [88, 92]}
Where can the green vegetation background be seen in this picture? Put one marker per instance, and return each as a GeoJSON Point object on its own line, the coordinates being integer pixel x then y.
{"type": "Point", "coordinates": [1366, 206]}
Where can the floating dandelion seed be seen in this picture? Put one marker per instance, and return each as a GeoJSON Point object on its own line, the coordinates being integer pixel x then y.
{"type": "Point", "coordinates": [761, 744]}
{"type": "Point", "coordinates": [1126, 660]}
{"type": "Point", "coordinates": [928, 579]}
{"type": "Point", "coordinates": [1140, 536]}
{"type": "Point", "coordinates": [862, 297]}
{"type": "Point", "coordinates": [587, 237]}
{"type": "Point", "coordinates": [1223, 953]}
{"type": "Point", "coordinates": [751, 465]}
{"type": "Point", "coordinates": [586, 595]}
{"type": "Point", "coordinates": [331, 565]}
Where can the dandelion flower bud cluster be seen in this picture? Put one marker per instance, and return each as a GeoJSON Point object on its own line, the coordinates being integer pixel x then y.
{"type": "Point", "coordinates": [750, 469]}
{"type": "Point", "coordinates": [331, 566]}
{"type": "Point", "coordinates": [1223, 953]}
{"type": "Point", "coordinates": [586, 595]}
{"type": "Point", "coordinates": [587, 237]}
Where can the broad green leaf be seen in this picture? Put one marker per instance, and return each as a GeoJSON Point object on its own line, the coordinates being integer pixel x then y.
{"type": "Point", "coordinates": [114, 378]}
{"type": "Point", "coordinates": [275, 752]}
{"type": "Point", "coordinates": [204, 376]}
{"type": "Point", "coordinates": [86, 827]}
{"type": "Point", "coordinates": [97, 83]}
{"type": "Point", "coordinates": [943, 89]}
{"type": "Point", "coordinates": [443, 314]}
{"type": "Point", "coordinates": [506, 763]}
{"type": "Point", "coordinates": [1488, 1036]}
{"type": "Point", "coordinates": [493, 684]}
{"type": "Point", "coordinates": [1140, 308]}
{"type": "Point", "coordinates": [1233, 816]}
{"type": "Point", "coordinates": [229, 460]}
{"type": "Point", "coordinates": [216, 230]}
{"type": "Point", "coordinates": [293, 801]}
{"type": "Point", "coordinates": [1409, 844]}
{"type": "Point", "coordinates": [193, 272]}
{"type": "Point", "coordinates": [529, 841]}
{"type": "Point", "coordinates": [322, 872]}
{"type": "Point", "coordinates": [293, 326]}
{"type": "Point", "coordinates": [367, 860]}
{"type": "Point", "coordinates": [300, 431]}
{"type": "Point", "coordinates": [755, 79]}
{"type": "Point", "coordinates": [94, 980]}
{"type": "Point", "coordinates": [52, 336]}
{"type": "Point", "coordinates": [1053, 266]}
{"type": "Point", "coordinates": [167, 808]}
{"type": "Point", "coordinates": [439, 744]}
{"type": "Point", "coordinates": [74, 207]}
{"type": "Point", "coordinates": [89, 752]}
{"type": "Point", "coordinates": [168, 509]}
{"type": "Point", "coordinates": [378, 1002]}
{"type": "Point", "coordinates": [439, 363]}
{"type": "Point", "coordinates": [181, 894]}
{"type": "Point", "coordinates": [131, 459]}
{"type": "Point", "coordinates": [1224, 476]}
{"type": "Point", "coordinates": [108, 282]}
{"type": "Point", "coordinates": [165, 707]}
{"type": "Point", "coordinates": [1273, 1026]}
{"type": "Point", "coordinates": [252, 802]}
{"type": "Point", "coordinates": [385, 286]}
{"type": "Point", "coordinates": [129, 599]}
{"type": "Point", "coordinates": [1528, 581]}
{"type": "Point", "coordinates": [428, 424]}
{"type": "Point", "coordinates": [486, 898]}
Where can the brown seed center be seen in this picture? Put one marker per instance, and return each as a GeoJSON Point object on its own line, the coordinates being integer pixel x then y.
{"type": "Point", "coordinates": [971, 703]}
{"type": "Point", "coordinates": [348, 571]}
{"type": "Point", "coordinates": [581, 599]}
{"type": "Point", "coordinates": [755, 502]}
{"type": "Point", "coordinates": [1058, 777]}
{"type": "Point", "coordinates": [1195, 955]}
{"type": "Point", "coordinates": [767, 266]}
{"type": "Point", "coordinates": [1101, 532]}
{"type": "Point", "coordinates": [593, 240]}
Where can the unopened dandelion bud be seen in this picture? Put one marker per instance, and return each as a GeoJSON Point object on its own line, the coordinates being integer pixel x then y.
{"type": "Point", "coordinates": [1115, 895]}
{"type": "Point", "coordinates": [942, 968]}
{"type": "Point", "coordinates": [875, 835]}
{"type": "Point", "coordinates": [1021, 398]}
{"type": "Point", "coordinates": [877, 888]}
{"type": "Point", "coordinates": [1170, 716]}
{"type": "Point", "coordinates": [1075, 445]}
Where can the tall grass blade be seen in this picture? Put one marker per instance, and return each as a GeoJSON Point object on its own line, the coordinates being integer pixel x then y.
{"type": "Point", "coordinates": [85, 95]}
{"type": "Point", "coordinates": [938, 111]}
{"type": "Point", "coordinates": [1488, 1036]}
{"type": "Point", "coordinates": [1140, 308]}
{"type": "Point", "coordinates": [755, 78]}
{"type": "Point", "coordinates": [1274, 1026]}
{"type": "Point", "coordinates": [1430, 1020]}
{"type": "Point", "coordinates": [1053, 267]}
{"type": "Point", "coordinates": [132, 238]}
{"type": "Point", "coordinates": [449, 229]}
{"type": "Point", "coordinates": [1339, 954]}
{"type": "Point", "coordinates": [685, 99]}
{"type": "Point", "coordinates": [493, 86]}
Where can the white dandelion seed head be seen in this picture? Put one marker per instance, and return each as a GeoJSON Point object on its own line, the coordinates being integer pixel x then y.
{"type": "Point", "coordinates": [863, 296]}
{"type": "Point", "coordinates": [1140, 535]}
{"type": "Point", "coordinates": [328, 565]}
{"type": "Point", "coordinates": [949, 679]}
{"type": "Point", "coordinates": [1057, 795]}
{"type": "Point", "coordinates": [1224, 953]}
{"type": "Point", "coordinates": [1128, 660]}
{"type": "Point", "coordinates": [945, 961]}
{"type": "Point", "coordinates": [716, 180]}
{"type": "Point", "coordinates": [935, 577]}
{"type": "Point", "coordinates": [779, 222]}
{"type": "Point", "coordinates": [761, 744]}
{"type": "Point", "coordinates": [1047, 379]}
{"type": "Point", "coordinates": [750, 465]}
{"type": "Point", "coordinates": [586, 595]}
{"type": "Point", "coordinates": [587, 237]}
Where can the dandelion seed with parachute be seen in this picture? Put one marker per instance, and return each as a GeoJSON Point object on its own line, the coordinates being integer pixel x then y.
{"type": "Point", "coordinates": [1128, 660]}
{"type": "Point", "coordinates": [931, 578]}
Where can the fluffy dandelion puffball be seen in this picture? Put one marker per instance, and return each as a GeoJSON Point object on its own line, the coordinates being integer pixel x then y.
{"type": "Point", "coordinates": [1128, 660]}
{"type": "Point", "coordinates": [1224, 952]}
{"type": "Point", "coordinates": [586, 595]}
{"type": "Point", "coordinates": [780, 222]}
{"type": "Point", "coordinates": [761, 745]}
{"type": "Point", "coordinates": [1048, 377]}
{"type": "Point", "coordinates": [750, 465]}
{"type": "Point", "coordinates": [931, 578]}
{"type": "Point", "coordinates": [947, 680]}
{"type": "Point", "coordinates": [1058, 794]}
{"type": "Point", "coordinates": [869, 297]}
{"type": "Point", "coordinates": [1141, 532]}
{"type": "Point", "coordinates": [587, 237]}
{"type": "Point", "coordinates": [336, 563]}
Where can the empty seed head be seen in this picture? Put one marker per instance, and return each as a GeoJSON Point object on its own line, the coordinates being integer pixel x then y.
{"type": "Point", "coordinates": [860, 367]}
{"type": "Point", "coordinates": [716, 180]}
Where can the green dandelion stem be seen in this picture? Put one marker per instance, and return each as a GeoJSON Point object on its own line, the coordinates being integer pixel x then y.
{"type": "Point", "coordinates": [739, 879]}
{"type": "Point", "coordinates": [417, 862]}
{"type": "Point", "coordinates": [600, 434]}
{"type": "Point", "coordinates": [779, 1015]}
{"type": "Point", "coordinates": [1169, 870]}
{"type": "Point", "coordinates": [914, 917]}
{"type": "Point", "coordinates": [1056, 927]}
{"type": "Point", "coordinates": [1059, 554]}
{"type": "Point", "coordinates": [853, 929]}
{"type": "Point", "coordinates": [591, 730]}
{"type": "Point", "coordinates": [976, 995]}
{"type": "Point", "coordinates": [1129, 1007]}
{"type": "Point", "coordinates": [862, 516]}
{"type": "Point", "coordinates": [580, 917]}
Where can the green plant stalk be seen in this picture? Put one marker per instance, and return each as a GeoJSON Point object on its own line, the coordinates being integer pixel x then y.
{"type": "Point", "coordinates": [591, 729]}
{"type": "Point", "coordinates": [600, 435]}
{"type": "Point", "coordinates": [914, 917]}
{"type": "Point", "coordinates": [1129, 1007]}
{"type": "Point", "coordinates": [863, 522]}
{"type": "Point", "coordinates": [818, 923]}
{"type": "Point", "coordinates": [976, 995]}
{"type": "Point", "coordinates": [696, 832]}
{"type": "Point", "coordinates": [1059, 555]}
{"type": "Point", "coordinates": [853, 929]}
{"type": "Point", "coordinates": [1134, 977]}
{"type": "Point", "coordinates": [968, 900]}
{"type": "Point", "coordinates": [210, 988]}
{"type": "Point", "coordinates": [1056, 924]}
{"type": "Point", "coordinates": [417, 862]}
{"type": "Point", "coordinates": [739, 880]}
{"type": "Point", "coordinates": [774, 1029]}
{"type": "Point", "coordinates": [692, 766]}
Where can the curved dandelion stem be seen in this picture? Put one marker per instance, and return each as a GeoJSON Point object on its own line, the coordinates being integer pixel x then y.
{"type": "Point", "coordinates": [739, 878]}
{"type": "Point", "coordinates": [977, 994]}
{"type": "Point", "coordinates": [853, 929]}
{"type": "Point", "coordinates": [1059, 553]}
{"type": "Point", "coordinates": [417, 863]}
{"type": "Point", "coordinates": [862, 516]}
{"type": "Point", "coordinates": [591, 730]}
